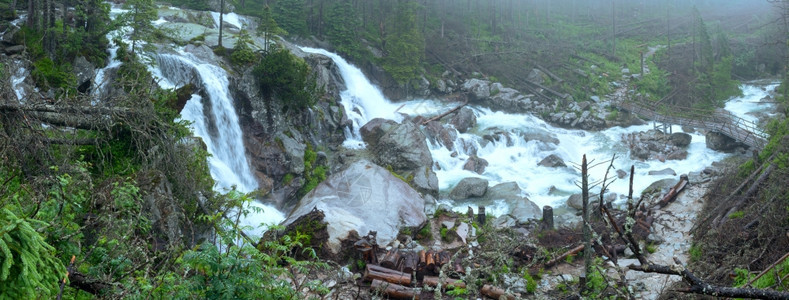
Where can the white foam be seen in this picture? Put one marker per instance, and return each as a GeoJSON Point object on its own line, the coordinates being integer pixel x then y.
{"type": "Point", "coordinates": [230, 18]}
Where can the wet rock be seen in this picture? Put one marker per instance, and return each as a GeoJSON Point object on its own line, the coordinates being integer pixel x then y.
{"type": "Point", "coordinates": [469, 187]}
{"type": "Point", "coordinates": [295, 153]}
{"type": "Point", "coordinates": [375, 129]}
{"type": "Point", "coordinates": [479, 89]}
{"type": "Point", "coordinates": [84, 71]}
{"type": "Point", "coordinates": [523, 210]}
{"type": "Point", "coordinates": [475, 164]}
{"type": "Point", "coordinates": [575, 201]}
{"type": "Point", "coordinates": [621, 173]}
{"type": "Point", "coordinates": [504, 221]}
{"type": "Point", "coordinates": [506, 191]}
{"type": "Point", "coordinates": [403, 147]}
{"type": "Point", "coordinates": [680, 139]}
{"type": "Point", "coordinates": [666, 171]}
{"type": "Point", "coordinates": [362, 198]}
{"type": "Point", "coordinates": [463, 120]}
{"type": "Point", "coordinates": [425, 181]}
{"type": "Point", "coordinates": [439, 134]}
{"type": "Point", "coordinates": [677, 155]}
{"type": "Point", "coordinates": [552, 161]}
{"type": "Point", "coordinates": [720, 142]}
{"type": "Point", "coordinates": [659, 186]}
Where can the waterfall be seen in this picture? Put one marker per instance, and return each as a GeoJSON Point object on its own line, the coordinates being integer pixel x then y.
{"type": "Point", "coordinates": [214, 119]}
{"type": "Point", "coordinates": [361, 100]}
{"type": "Point", "coordinates": [218, 127]}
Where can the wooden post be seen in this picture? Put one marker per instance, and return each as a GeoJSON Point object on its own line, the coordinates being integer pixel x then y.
{"type": "Point", "coordinates": [481, 215]}
{"type": "Point", "coordinates": [547, 217]}
{"type": "Point", "coordinates": [642, 63]}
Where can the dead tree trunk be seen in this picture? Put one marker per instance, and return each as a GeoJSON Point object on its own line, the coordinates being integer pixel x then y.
{"type": "Point", "coordinates": [373, 272]}
{"type": "Point", "coordinates": [395, 291]}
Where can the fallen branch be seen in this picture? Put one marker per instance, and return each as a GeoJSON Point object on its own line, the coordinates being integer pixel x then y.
{"type": "Point", "coordinates": [754, 187]}
{"type": "Point", "coordinates": [673, 192]}
{"type": "Point", "coordinates": [768, 269]}
{"type": "Point", "coordinates": [698, 286]}
{"type": "Point", "coordinates": [562, 257]}
{"type": "Point", "coordinates": [444, 114]}
{"type": "Point", "coordinates": [433, 281]}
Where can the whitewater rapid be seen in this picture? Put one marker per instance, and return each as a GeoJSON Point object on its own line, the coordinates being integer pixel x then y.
{"type": "Point", "coordinates": [518, 160]}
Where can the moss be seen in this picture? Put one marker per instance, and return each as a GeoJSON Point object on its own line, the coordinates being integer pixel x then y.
{"type": "Point", "coordinates": [737, 215]}
{"type": "Point", "coordinates": [424, 233]}
{"type": "Point", "coordinates": [287, 179]}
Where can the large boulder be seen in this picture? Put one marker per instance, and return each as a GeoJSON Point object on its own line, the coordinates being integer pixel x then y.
{"type": "Point", "coordinates": [464, 120]}
{"type": "Point", "coordinates": [478, 88]}
{"type": "Point", "coordinates": [720, 142]}
{"type": "Point", "coordinates": [403, 147]}
{"type": "Point", "coordinates": [84, 72]}
{"type": "Point", "coordinates": [375, 129]}
{"type": "Point", "coordinates": [363, 198]}
{"type": "Point", "coordinates": [521, 209]}
{"type": "Point", "coordinates": [469, 187]}
{"type": "Point", "coordinates": [680, 139]}
{"type": "Point", "coordinates": [475, 164]}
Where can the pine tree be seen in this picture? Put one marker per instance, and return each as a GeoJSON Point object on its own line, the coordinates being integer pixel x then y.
{"type": "Point", "coordinates": [139, 18]}
{"type": "Point", "coordinates": [28, 266]}
{"type": "Point", "coordinates": [405, 49]}
{"type": "Point", "coordinates": [341, 27]}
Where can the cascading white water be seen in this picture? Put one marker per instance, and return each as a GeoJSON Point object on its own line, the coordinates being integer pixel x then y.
{"type": "Point", "coordinates": [361, 100]}
{"type": "Point", "coordinates": [219, 128]}
{"type": "Point", "coordinates": [517, 161]}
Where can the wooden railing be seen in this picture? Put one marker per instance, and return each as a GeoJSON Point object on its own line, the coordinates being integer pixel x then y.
{"type": "Point", "coordinates": [721, 121]}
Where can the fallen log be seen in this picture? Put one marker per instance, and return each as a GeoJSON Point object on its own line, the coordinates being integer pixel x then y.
{"type": "Point", "coordinates": [444, 114]}
{"type": "Point", "coordinates": [395, 291]}
{"type": "Point", "coordinates": [409, 262]}
{"type": "Point", "coordinates": [557, 78]}
{"type": "Point", "coordinates": [495, 292]}
{"type": "Point", "coordinates": [430, 261]}
{"type": "Point", "coordinates": [748, 193]}
{"type": "Point", "coordinates": [433, 281]}
{"type": "Point", "coordinates": [698, 286]}
{"type": "Point", "coordinates": [391, 259]}
{"type": "Point", "coordinates": [562, 257]}
{"type": "Point", "coordinates": [674, 191]}
{"type": "Point", "coordinates": [560, 95]}
{"type": "Point", "coordinates": [373, 272]}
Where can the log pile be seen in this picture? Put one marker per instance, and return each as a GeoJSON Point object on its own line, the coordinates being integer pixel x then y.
{"type": "Point", "coordinates": [401, 273]}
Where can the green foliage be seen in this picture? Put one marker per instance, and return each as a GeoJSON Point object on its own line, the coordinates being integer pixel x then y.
{"type": "Point", "coordinates": [50, 75]}
{"type": "Point", "coordinates": [531, 284]}
{"type": "Point", "coordinates": [737, 215]}
{"type": "Point", "coordinates": [406, 46]}
{"type": "Point", "coordinates": [268, 27]}
{"type": "Point", "coordinates": [139, 17]}
{"type": "Point", "coordinates": [243, 55]}
{"type": "Point", "coordinates": [454, 291]}
{"type": "Point", "coordinates": [289, 14]}
{"type": "Point", "coordinates": [313, 175]}
{"type": "Point", "coordinates": [651, 248]}
{"type": "Point", "coordinates": [595, 281]}
{"type": "Point", "coordinates": [768, 280]}
{"type": "Point", "coordinates": [28, 265]}
{"type": "Point", "coordinates": [424, 232]}
{"type": "Point", "coordinates": [341, 23]}
{"type": "Point", "coordinates": [695, 252]}
{"type": "Point", "coordinates": [281, 74]}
